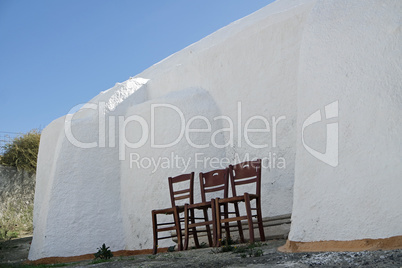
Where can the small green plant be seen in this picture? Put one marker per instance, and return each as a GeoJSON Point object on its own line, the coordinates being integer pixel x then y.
{"type": "Point", "coordinates": [227, 244]}
{"type": "Point", "coordinates": [227, 241]}
{"type": "Point", "coordinates": [171, 249]}
{"type": "Point", "coordinates": [240, 249]}
{"type": "Point", "coordinates": [103, 253]}
{"type": "Point", "coordinates": [253, 252]}
{"type": "Point", "coordinates": [203, 245]}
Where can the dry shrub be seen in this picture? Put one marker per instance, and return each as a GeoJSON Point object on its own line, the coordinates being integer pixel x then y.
{"type": "Point", "coordinates": [22, 152]}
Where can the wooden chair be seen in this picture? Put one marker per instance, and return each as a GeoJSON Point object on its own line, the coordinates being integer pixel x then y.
{"type": "Point", "coordinates": [211, 182]}
{"type": "Point", "coordinates": [175, 225]}
{"type": "Point", "coordinates": [241, 174]}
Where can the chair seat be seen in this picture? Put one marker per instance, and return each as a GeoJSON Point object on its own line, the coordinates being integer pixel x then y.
{"type": "Point", "coordinates": [168, 211]}
{"type": "Point", "coordinates": [201, 205]}
{"type": "Point", "coordinates": [236, 199]}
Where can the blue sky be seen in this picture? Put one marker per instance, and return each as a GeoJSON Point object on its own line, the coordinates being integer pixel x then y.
{"type": "Point", "coordinates": [55, 54]}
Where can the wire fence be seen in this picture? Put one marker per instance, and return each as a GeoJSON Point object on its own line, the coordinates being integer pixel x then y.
{"type": "Point", "coordinates": [5, 138]}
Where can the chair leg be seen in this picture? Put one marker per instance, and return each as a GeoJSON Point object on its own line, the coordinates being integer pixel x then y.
{"type": "Point", "coordinates": [154, 226]}
{"type": "Point", "coordinates": [260, 222]}
{"type": "Point", "coordinates": [227, 230]}
{"type": "Point", "coordinates": [218, 223]}
{"type": "Point", "coordinates": [186, 233]}
{"type": "Point", "coordinates": [249, 217]}
{"type": "Point", "coordinates": [207, 227]}
{"type": "Point", "coordinates": [239, 225]}
{"type": "Point", "coordinates": [213, 222]}
{"type": "Point", "coordinates": [178, 228]}
{"type": "Point", "coordinates": [194, 229]}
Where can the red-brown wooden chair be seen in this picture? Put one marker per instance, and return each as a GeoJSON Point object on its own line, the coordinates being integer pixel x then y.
{"type": "Point", "coordinates": [185, 194]}
{"type": "Point", "coordinates": [243, 173]}
{"type": "Point", "coordinates": [211, 182]}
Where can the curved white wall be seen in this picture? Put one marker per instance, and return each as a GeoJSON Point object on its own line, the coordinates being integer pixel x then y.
{"type": "Point", "coordinates": [86, 197]}
{"type": "Point", "coordinates": [351, 53]}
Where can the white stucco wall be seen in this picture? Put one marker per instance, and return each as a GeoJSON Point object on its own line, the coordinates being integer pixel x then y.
{"type": "Point", "coordinates": [351, 53]}
{"type": "Point", "coordinates": [144, 189]}
{"type": "Point", "coordinates": [86, 197]}
{"type": "Point", "coordinates": [266, 65]}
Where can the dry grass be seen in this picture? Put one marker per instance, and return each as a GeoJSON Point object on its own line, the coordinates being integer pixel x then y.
{"type": "Point", "coordinates": [16, 219]}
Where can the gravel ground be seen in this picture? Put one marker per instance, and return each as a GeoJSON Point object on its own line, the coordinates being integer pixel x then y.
{"type": "Point", "coordinates": [208, 257]}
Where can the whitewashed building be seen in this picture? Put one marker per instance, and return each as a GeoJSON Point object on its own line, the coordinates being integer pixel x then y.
{"type": "Point", "coordinates": [312, 87]}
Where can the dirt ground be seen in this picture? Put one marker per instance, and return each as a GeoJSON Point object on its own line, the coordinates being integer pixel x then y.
{"type": "Point", "coordinates": [13, 253]}
{"type": "Point", "coordinates": [15, 250]}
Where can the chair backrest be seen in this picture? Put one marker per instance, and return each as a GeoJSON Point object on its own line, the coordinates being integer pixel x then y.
{"type": "Point", "coordinates": [246, 173]}
{"type": "Point", "coordinates": [214, 181]}
{"type": "Point", "coordinates": [186, 190]}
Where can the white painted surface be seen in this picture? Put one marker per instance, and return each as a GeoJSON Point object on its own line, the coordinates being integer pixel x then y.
{"type": "Point", "coordinates": [351, 53]}
{"type": "Point", "coordinates": [144, 189]}
{"type": "Point", "coordinates": [86, 197]}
